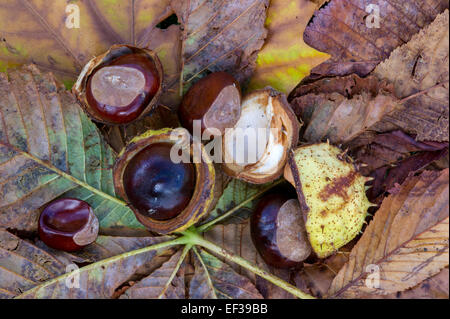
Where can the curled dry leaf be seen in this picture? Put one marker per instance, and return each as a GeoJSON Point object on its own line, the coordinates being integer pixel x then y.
{"type": "Point", "coordinates": [285, 59]}
{"type": "Point", "coordinates": [405, 243]}
{"type": "Point", "coordinates": [346, 29]}
{"type": "Point", "coordinates": [419, 71]}
{"type": "Point", "coordinates": [340, 109]}
{"type": "Point", "coordinates": [391, 157]}
{"type": "Point", "coordinates": [214, 279]}
{"type": "Point", "coordinates": [377, 150]}
{"type": "Point", "coordinates": [43, 157]}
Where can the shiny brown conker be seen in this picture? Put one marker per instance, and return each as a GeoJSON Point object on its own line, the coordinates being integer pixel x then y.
{"type": "Point", "coordinates": [120, 89]}
{"type": "Point", "coordinates": [215, 100]}
{"type": "Point", "coordinates": [68, 224]}
{"type": "Point", "coordinates": [155, 185]}
{"type": "Point", "coordinates": [278, 231]}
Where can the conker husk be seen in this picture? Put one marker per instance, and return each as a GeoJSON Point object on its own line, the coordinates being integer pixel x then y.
{"type": "Point", "coordinates": [215, 100]}
{"type": "Point", "coordinates": [165, 196]}
{"type": "Point", "coordinates": [262, 159]}
{"type": "Point", "coordinates": [120, 85]}
{"type": "Point", "coordinates": [278, 231]}
{"type": "Point", "coordinates": [332, 195]}
{"type": "Point", "coordinates": [67, 224]}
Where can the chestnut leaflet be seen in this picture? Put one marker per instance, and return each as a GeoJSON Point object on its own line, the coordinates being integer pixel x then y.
{"type": "Point", "coordinates": [68, 224]}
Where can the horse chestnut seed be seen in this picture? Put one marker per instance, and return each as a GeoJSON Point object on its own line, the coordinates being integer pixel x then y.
{"type": "Point", "coordinates": [156, 186]}
{"type": "Point", "coordinates": [68, 224]}
{"type": "Point", "coordinates": [215, 100]}
{"type": "Point", "coordinates": [119, 90]}
{"type": "Point", "coordinates": [278, 231]}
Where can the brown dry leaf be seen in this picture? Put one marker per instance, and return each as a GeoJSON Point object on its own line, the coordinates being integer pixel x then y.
{"type": "Point", "coordinates": [419, 71]}
{"type": "Point", "coordinates": [391, 157]}
{"type": "Point", "coordinates": [236, 238]}
{"type": "Point", "coordinates": [317, 277]}
{"type": "Point", "coordinates": [166, 282]}
{"type": "Point", "coordinates": [435, 287]}
{"type": "Point", "coordinates": [220, 36]}
{"type": "Point", "coordinates": [100, 279]}
{"type": "Point", "coordinates": [340, 29]}
{"type": "Point", "coordinates": [379, 150]}
{"type": "Point", "coordinates": [340, 109]}
{"type": "Point", "coordinates": [214, 279]}
{"type": "Point", "coordinates": [23, 265]}
{"type": "Point", "coordinates": [405, 243]}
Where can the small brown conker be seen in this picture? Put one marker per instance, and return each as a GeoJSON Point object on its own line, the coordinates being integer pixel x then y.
{"type": "Point", "coordinates": [215, 100]}
{"type": "Point", "coordinates": [278, 231]}
{"type": "Point", "coordinates": [68, 224]}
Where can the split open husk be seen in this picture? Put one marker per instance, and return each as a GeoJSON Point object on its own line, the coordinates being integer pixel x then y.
{"type": "Point", "coordinates": [202, 197]}
{"type": "Point", "coordinates": [256, 148]}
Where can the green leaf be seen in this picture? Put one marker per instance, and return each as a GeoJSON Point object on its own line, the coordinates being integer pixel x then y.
{"type": "Point", "coordinates": [50, 148]}
{"type": "Point", "coordinates": [237, 193]}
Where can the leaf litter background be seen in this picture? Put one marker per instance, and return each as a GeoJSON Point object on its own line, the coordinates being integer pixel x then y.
{"type": "Point", "coordinates": [382, 93]}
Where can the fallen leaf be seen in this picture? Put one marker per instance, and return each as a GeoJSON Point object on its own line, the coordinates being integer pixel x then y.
{"type": "Point", "coordinates": [340, 109]}
{"type": "Point", "coordinates": [236, 238]}
{"type": "Point", "coordinates": [386, 177]}
{"type": "Point", "coordinates": [43, 157]}
{"type": "Point", "coordinates": [97, 280]}
{"type": "Point", "coordinates": [285, 59]}
{"type": "Point", "coordinates": [220, 36]}
{"type": "Point", "coordinates": [435, 287]}
{"type": "Point", "coordinates": [419, 71]}
{"type": "Point", "coordinates": [389, 148]}
{"type": "Point", "coordinates": [214, 279]}
{"type": "Point", "coordinates": [317, 277]}
{"type": "Point", "coordinates": [47, 35]}
{"type": "Point", "coordinates": [235, 193]}
{"type": "Point", "coordinates": [405, 243]}
{"type": "Point", "coordinates": [346, 30]}
{"type": "Point", "coordinates": [23, 265]}
{"type": "Point", "coordinates": [166, 282]}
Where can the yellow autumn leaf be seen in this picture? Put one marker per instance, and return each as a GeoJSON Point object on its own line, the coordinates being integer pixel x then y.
{"type": "Point", "coordinates": [285, 58]}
